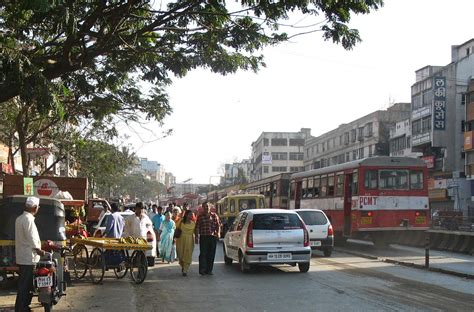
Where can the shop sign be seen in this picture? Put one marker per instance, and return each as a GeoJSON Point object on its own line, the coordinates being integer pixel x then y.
{"type": "Point", "coordinates": [439, 104]}
{"type": "Point", "coordinates": [429, 160]}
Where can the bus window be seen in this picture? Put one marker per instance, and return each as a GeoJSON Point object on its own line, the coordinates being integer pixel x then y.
{"type": "Point", "coordinates": [324, 187]}
{"type": "Point", "coordinates": [339, 185]}
{"type": "Point", "coordinates": [304, 189]}
{"type": "Point", "coordinates": [355, 183]}
{"type": "Point", "coordinates": [370, 181]}
{"type": "Point", "coordinates": [331, 185]}
{"type": "Point", "coordinates": [317, 186]}
{"type": "Point", "coordinates": [261, 203]}
{"type": "Point", "coordinates": [226, 204]}
{"type": "Point", "coordinates": [310, 188]}
{"type": "Point", "coordinates": [284, 186]}
{"type": "Point", "coordinates": [416, 180]}
{"type": "Point", "coordinates": [232, 205]}
{"type": "Point", "coordinates": [393, 179]}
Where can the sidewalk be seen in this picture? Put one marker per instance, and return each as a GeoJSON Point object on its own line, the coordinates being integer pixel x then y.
{"type": "Point", "coordinates": [439, 261]}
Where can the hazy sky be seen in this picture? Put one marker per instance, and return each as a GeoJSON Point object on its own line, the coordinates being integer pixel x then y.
{"type": "Point", "coordinates": [308, 83]}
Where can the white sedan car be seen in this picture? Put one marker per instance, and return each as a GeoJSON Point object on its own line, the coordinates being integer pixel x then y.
{"type": "Point", "coordinates": [150, 236]}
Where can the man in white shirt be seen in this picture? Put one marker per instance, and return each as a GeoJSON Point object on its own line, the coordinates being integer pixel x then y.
{"type": "Point", "coordinates": [138, 225]}
{"type": "Point", "coordinates": [27, 252]}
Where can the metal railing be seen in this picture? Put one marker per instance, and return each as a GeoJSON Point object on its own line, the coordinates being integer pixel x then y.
{"type": "Point", "coordinates": [453, 223]}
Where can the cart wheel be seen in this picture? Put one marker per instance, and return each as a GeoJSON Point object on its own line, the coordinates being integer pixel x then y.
{"type": "Point", "coordinates": [79, 261]}
{"type": "Point", "coordinates": [139, 266]}
{"type": "Point", "coordinates": [97, 266]}
{"type": "Point", "coordinates": [122, 270]}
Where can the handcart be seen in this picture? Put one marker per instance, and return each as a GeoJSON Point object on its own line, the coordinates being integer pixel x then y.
{"type": "Point", "coordinates": [109, 253]}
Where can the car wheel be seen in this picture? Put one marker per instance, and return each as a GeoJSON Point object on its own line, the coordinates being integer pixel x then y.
{"type": "Point", "coordinates": [303, 266]}
{"type": "Point", "coordinates": [227, 260]}
{"type": "Point", "coordinates": [244, 266]}
{"type": "Point", "coordinates": [327, 252]}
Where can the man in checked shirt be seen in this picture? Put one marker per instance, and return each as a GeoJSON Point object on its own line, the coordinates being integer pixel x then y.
{"type": "Point", "coordinates": [208, 227]}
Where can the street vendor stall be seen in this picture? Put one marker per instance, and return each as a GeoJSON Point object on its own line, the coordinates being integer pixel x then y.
{"type": "Point", "coordinates": [111, 253]}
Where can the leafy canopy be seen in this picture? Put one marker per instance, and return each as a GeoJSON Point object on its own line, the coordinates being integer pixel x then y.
{"type": "Point", "coordinates": [97, 52]}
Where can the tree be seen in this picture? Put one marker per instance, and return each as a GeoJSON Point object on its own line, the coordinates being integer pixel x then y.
{"type": "Point", "coordinates": [99, 50]}
{"type": "Point", "coordinates": [103, 164]}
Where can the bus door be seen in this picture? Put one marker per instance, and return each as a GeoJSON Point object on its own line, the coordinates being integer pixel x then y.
{"type": "Point", "coordinates": [298, 194]}
{"type": "Point", "coordinates": [347, 204]}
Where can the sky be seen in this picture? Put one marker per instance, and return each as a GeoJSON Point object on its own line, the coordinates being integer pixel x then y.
{"type": "Point", "coordinates": [308, 83]}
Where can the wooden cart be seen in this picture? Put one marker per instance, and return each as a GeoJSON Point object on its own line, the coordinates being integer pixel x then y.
{"type": "Point", "coordinates": [109, 253]}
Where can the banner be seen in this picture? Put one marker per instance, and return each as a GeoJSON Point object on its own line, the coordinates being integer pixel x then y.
{"type": "Point", "coordinates": [439, 104]}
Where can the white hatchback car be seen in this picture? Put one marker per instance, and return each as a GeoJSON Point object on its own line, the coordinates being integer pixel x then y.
{"type": "Point", "coordinates": [321, 234]}
{"type": "Point", "coordinates": [266, 237]}
{"type": "Point", "coordinates": [99, 231]}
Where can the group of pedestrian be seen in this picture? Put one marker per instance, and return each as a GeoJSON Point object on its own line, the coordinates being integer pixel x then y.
{"type": "Point", "coordinates": [176, 230]}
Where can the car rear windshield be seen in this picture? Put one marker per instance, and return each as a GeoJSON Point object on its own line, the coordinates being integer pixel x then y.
{"type": "Point", "coordinates": [276, 221]}
{"type": "Point", "coordinates": [313, 217]}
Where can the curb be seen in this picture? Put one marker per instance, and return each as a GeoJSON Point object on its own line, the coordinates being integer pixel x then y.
{"type": "Point", "coordinates": [408, 264]}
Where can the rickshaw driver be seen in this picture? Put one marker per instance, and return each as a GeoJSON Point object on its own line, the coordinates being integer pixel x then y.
{"type": "Point", "coordinates": [27, 252]}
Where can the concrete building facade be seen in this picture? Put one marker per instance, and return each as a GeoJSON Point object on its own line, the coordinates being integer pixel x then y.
{"type": "Point", "coordinates": [438, 122]}
{"type": "Point", "coordinates": [364, 137]}
{"type": "Point", "coordinates": [400, 140]}
{"type": "Point", "coordinates": [278, 152]}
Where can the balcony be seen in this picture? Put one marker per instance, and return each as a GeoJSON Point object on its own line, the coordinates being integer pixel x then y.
{"type": "Point", "coordinates": [468, 140]}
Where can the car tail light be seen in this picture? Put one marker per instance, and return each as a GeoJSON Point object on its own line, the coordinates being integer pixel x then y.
{"type": "Point", "coordinates": [330, 230]}
{"type": "Point", "coordinates": [250, 235]}
{"type": "Point", "coordinates": [306, 234]}
{"type": "Point", "coordinates": [42, 271]}
{"type": "Point", "coordinates": [149, 237]}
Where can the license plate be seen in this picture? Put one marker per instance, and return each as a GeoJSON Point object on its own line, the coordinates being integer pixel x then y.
{"type": "Point", "coordinates": [420, 220]}
{"type": "Point", "coordinates": [279, 256]}
{"type": "Point", "coordinates": [315, 243]}
{"type": "Point", "coordinates": [366, 220]}
{"type": "Point", "coordinates": [44, 281]}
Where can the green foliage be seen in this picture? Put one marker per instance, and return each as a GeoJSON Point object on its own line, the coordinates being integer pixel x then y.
{"type": "Point", "coordinates": [103, 164]}
{"type": "Point", "coordinates": [99, 50]}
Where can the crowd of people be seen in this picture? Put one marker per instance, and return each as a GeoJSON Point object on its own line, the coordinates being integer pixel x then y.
{"type": "Point", "coordinates": [176, 229]}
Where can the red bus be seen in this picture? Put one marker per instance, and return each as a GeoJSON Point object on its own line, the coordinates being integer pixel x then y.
{"type": "Point", "coordinates": [372, 198]}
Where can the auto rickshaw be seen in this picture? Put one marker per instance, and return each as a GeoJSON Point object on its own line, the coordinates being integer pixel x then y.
{"type": "Point", "coordinates": [50, 221]}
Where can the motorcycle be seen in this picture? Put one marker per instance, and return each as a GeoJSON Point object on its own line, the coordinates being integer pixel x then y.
{"type": "Point", "coordinates": [50, 276]}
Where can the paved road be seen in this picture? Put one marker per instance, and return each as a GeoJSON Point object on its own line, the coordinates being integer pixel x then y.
{"type": "Point", "coordinates": [340, 283]}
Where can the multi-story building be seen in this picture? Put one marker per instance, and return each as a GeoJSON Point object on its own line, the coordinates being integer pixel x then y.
{"type": "Point", "coordinates": [400, 140]}
{"type": "Point", "coordinates": [277, 152]}
{"type": "Point", "coordinates": [468, 100]}
{"type": "Point", "coordinates": [152, 169]}
{"type": "Point", "coordinates": [437, 123]}
{"type": "Point", "coordinates": [237, 172]}
{"type": "Point", "coordinates": [364, 137]}
{"type": "Point", "coordinates": [170, 179]}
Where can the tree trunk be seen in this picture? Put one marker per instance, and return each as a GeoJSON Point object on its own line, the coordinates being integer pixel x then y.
{"type": "Point", "coordinates": [22, 144]}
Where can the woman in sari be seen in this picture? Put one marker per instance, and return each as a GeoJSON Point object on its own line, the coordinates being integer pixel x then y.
{"type": "Point", "coordinates": [167, 228]}
{"type": "Point", "coordinates": [185, 243]}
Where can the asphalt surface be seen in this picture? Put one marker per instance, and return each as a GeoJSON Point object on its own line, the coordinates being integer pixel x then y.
{"type": "Point", "coordinates": [343, 282]}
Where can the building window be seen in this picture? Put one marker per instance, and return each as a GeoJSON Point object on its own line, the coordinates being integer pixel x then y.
{"type": "Point", "coordinates": [296, 142]}
{"type": "Point", "coordinates": [369, 129]}
{"type": "Point", "coordinates": [416, 126]}
{"type": "Point", "coordinates": [346, 138]}
{"type": "Point", "coordinates": [354, 154]}
{"type": "Point", "coordinates": [265, 169]}
{"type": "Point", "coordinates": [296, 156]}
{"type": "Point", "coordinates": [353, 135]}
{"type": "Point", "coordinates": [279, 169]}
{"type": "Point", "coordinates": [348, 157]}
{"type": "Point", "coordinates": [360, 133]}
{"type": "Point", "coordinates": [426, 124]}
{"type": "Point", "coordinates": [296, 169]}
{"type": "Point", "coordinates": [279, 156]}
{"type": "Point", "coordinates": [279, 142]}
{"type": "Point", "coordinates": [370, 150]}
{"type": "Point", "coordinates": [265, 142]}
{"type": "Point", "coordinates": [361, 153]}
